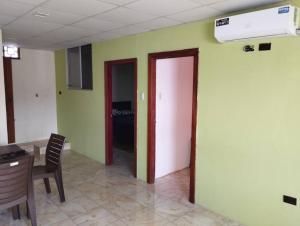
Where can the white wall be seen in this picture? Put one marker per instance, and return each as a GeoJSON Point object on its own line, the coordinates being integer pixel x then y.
{"type": "Point", "coordinates": [35, 117]}
{"type": "Point", "coordinates": [3, 120]}
{"type": "Point", "coordinates": [123, 82]}
{"type": "Point", "coordinates": [174, 91]}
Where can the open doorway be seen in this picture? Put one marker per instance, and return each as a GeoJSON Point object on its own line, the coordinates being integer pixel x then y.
{"type": "Point", "coordinates": [172, 114]}
{"type": "Point", "coordinates": [121, 112]}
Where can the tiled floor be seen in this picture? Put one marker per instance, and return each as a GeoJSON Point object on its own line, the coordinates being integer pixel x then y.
{"type": "Point", "coordinates": [99, 195]}
{"type": "Point", "coordinates": [123, 159]}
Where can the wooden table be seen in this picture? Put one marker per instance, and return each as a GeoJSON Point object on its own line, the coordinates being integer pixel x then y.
{"type": "Point", "coordinates": [13, 161]}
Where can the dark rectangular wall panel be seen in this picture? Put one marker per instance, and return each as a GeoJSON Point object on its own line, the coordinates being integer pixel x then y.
{"type": "Point", "coordinates": [87, 67]}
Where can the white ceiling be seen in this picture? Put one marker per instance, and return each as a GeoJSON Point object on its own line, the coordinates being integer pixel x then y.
{"type": "Point", "coordinates": [77, 22]}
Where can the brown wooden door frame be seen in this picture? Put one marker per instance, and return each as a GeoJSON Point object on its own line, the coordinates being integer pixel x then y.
{"type": "Point", "coordinates": [152, 58]}
{"type": "Point", "coordinates": [8, 82]}
{"type": "Point", "coordinates": [108, 110]}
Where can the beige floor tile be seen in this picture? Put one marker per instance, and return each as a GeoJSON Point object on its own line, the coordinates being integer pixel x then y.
{"type": "Point", "coordinates": [123, 206]}
{"type": "Point", "coordinates": [110, 195]}
{"type": "Point", "coordinates": [145, 217]}
{"type": "Point", "coordinates": [67, 222]}
{"type": "Point", "coordinates": [97, 216]}
{"type": "Point", "coordinates": [170, 209]}
{"type": "Point", "coordinates": [50, 218]}
{"type": "Point", "coordinates": [148, 198]}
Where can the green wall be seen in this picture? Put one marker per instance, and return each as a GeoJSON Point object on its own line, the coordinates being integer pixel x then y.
{"type": "Point", "coordinates": [248, 140]}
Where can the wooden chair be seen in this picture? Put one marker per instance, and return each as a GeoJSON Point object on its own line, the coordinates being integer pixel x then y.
{"type": "Point", "coordinates": [16, 186]}
{"type": "Point", "coordinates": [52, 168]}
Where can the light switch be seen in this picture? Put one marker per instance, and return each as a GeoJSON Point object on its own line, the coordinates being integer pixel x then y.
{"type": "Point", "coordinates": [142, 96]}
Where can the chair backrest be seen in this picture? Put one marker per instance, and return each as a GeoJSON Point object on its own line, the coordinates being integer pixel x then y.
{"type": "Point", "coordinates": [54, 150]}
{"type": "Point", "coordinates": [15, 180]}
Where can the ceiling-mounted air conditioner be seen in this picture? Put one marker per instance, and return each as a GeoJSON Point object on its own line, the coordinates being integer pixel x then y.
{"type": "Point", "coordinates": [278, 21]}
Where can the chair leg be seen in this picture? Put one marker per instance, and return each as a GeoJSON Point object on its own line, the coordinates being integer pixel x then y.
{"type": "Point", "coordinates": [31, 211]}
{"type": "Point", "coordinates": [60, 186]}
{"type": "Point", "coordinates": [27, 211]}
{"type": "Point", "coordinates": [16, 212]}
{"type": "Point", "coordinates": [47, 185]}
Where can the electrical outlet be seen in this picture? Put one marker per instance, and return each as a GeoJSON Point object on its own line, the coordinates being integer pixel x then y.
{"type": "Point", "coordinates": [290, 200]}
{"type": "Point", "coordinates": [265, 46]}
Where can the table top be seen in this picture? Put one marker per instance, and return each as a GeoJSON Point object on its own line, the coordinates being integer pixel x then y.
{"type": "Point", "coordinates": [10, 153]}
{"type": "Point", "coordinates": [9, 148]}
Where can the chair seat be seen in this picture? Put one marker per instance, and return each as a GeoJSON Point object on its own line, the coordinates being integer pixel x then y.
{"type": "Point", "coordinates": [39, 172]}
